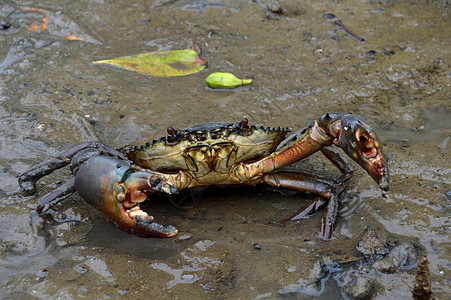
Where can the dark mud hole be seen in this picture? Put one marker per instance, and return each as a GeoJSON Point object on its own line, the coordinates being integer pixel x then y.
{"type": "Point", "coordinates": [398, 80]}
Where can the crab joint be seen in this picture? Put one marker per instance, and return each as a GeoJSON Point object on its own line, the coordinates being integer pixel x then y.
{"type": "Point", "coordinates": [318, 135]}
{"type": "Point", "coordinates": [120, 192]}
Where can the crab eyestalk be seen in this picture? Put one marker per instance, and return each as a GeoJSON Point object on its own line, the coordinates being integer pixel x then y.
{"type": "Point", "coordinates": [361, 143]}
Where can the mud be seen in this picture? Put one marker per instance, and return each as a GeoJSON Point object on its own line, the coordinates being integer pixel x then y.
{"type": "Point", "coordinates": [229, 246]}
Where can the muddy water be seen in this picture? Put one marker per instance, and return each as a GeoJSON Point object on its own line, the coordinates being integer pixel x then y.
{"type": "Point", "coordinates": [229, 246]}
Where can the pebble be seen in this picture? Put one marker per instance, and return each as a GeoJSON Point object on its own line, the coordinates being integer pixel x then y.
{"type": "Point", "coordinates": [401, 257]}
{"type": "Point", "coordinates": [448, 195]}
{"type": "Point", "coordinates": [360, 288]}
{"type": "Point", "coordinates": [188, 277]}
{"type": "Point", "coordinates": [4, 25]}
{"type": "Point", "coordinates": [329, 16]}
{"type": "Point", "coordinates": [184, 237]}
{"type": "Point", "coordinates": [40, 127]}
{"type": "Point", "coordinates": [374, 241]}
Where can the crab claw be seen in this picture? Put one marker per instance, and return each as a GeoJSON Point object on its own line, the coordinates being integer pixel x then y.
{"type": "Point", "coordinates": [114, 188]}
{"type": "Point", "coordinates": [361, 143]}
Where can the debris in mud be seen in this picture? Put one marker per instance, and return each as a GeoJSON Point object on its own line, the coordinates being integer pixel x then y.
{"type": "Point", "coordinates": [361, 280]}
{"type": "Point", "coordinates": [340, 24]}
{"type": "Point", "coordinates": [360, 284]}
{"type": "Point", "coordinates": [4, 25]}
{"type": "Point", "coordinates": [54, 23]}
{"type": "Point", "coordinates": [320, 272]}
{"type": "Point", "coordinates": [160, 63]}
{"type": "Point", "coordinates": [374, 241]}
{"type": "Point", "coordinates": [401, 257]}
{"type": "Point", "coordinates": [448, 195]}
{"type": "Point", "coordinates": [273, 9]}
{"type": "Point", "coordinates": [146, 21]}
{"type": "Point", "coordinates": [422, 289]}
{"type": "Point", "coordinates": [329, 16]}
{"type": "Point", "coordinates": [326, 268]}
{"type": "Point", "coordinates": [220, 80]}
{"type": "Point", "coordinates": [371, 53]}
{"type": "Point", "coordinates": [370, 56]}
{"type": "Point", "coordinates": [383, 255]}
{"type": "Point", "coordinates": [184, 237]}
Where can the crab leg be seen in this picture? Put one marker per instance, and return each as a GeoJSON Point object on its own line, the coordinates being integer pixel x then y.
{"type": "Point", "coordinates": [339, 161]}
{"type": "Point", "coordinates": [56, 196]}
{"type": "Point", "coordinates": [306, 211]}
{"type": "Point", "coordinates": [325, 187]}
{"type": "Point", "coordinates": [348, 132]}
{"type": "Point", "coordinates": [27, 180]}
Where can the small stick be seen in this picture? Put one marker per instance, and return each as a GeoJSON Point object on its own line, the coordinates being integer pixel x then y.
{"type": "Point", "coordinates": [342, 26]}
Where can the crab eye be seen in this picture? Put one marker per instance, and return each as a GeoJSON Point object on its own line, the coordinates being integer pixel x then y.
{"type": "Point", "coordinates": [154, 181]}
{"type": "Point", "coordinates": [174, 134]}
{"type": "Point", "coordinates": [242, 124]}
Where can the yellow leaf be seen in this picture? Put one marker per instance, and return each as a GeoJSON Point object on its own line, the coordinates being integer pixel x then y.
{"type": "Point", "coordinates": [160, 63]}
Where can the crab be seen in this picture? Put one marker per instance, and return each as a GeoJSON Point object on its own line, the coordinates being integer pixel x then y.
{"type": "Point", "coordinates": [213, 154]}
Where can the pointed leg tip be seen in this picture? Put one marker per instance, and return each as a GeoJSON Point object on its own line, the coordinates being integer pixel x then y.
{"type": "Point", "coordinates": [39, 209]}
{"type": "Point", "coordinates": [384, 186]}
{"type": "Point", "coordinates": [326, 237]}
{"type": "Point", "coordinates": [326, 231]}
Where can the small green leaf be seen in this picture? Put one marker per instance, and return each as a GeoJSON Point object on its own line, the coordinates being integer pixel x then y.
{"type": "Point", "coordinates": [219, 80]}
{"type": "Point", "coordinates": [160, 63]}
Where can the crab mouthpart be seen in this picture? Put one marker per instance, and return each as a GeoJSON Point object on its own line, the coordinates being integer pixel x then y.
{"type": "Point", "coordinates": [160, 185]}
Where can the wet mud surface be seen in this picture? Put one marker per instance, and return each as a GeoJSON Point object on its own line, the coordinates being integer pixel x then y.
{"type": "Point", "coordinates": [229, 246]}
